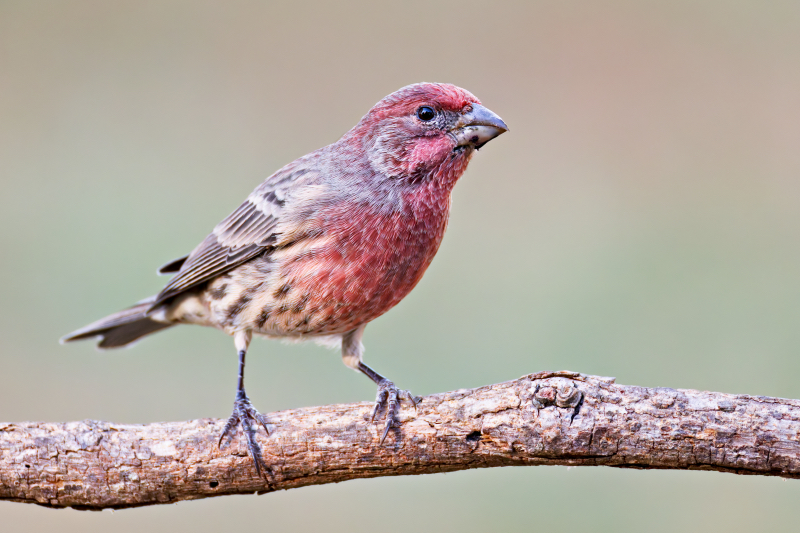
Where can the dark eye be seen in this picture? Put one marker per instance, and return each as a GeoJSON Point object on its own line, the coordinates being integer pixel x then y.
{"type": "Point", "coordinates": [425, 113]}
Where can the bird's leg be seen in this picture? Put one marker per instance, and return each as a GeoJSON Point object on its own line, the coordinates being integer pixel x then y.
{"type": "Point", "coordinates": [389, 396]}
{"type": "Point", "coordinates": [243, 411]}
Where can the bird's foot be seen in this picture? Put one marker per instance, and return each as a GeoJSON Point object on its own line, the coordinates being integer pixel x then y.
{"type": "Point", "coordinates": [249, 418]}
{"type": "Point", "coordinates": [389, 397]}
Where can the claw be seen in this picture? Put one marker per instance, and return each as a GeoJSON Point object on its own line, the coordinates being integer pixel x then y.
{"type": "Point", "coordinates": [389, 425]}
{"type": "Point", "coordinates": [390, 396]}
{"type": "Point", "coordinates": [245, 414]}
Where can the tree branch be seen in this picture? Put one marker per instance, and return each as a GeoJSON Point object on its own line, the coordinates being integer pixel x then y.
{"type": "Point", "coordinates": [549, 418]}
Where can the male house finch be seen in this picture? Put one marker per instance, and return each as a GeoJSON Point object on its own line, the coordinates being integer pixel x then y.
{"type": "Point", "coordinates": [326, 244]}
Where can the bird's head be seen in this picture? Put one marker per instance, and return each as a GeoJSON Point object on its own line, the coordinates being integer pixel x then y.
{"type": "Point", "coordinates": [423, 128]}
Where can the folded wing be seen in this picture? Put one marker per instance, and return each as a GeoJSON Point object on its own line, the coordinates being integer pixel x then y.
{"type": "Point", "coordinates": [243, 235]}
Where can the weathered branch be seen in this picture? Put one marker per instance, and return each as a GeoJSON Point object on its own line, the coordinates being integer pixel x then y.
{"type": "Point", "coordinates": [549, 418]}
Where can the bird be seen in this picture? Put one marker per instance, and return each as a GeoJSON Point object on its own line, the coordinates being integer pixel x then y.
{"type": "Point", "coordinates": [325, 245]}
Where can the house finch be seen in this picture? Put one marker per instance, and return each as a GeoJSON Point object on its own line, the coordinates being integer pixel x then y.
{"type": "Point", "coordinates": [326, 244]}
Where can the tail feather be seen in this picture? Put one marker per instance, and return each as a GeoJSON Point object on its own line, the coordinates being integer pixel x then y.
{"type": "Point", "coordinates": [122, 328]}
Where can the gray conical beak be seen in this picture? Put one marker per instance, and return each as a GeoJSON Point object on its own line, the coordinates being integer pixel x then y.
{"type": "Point", "coordinates": [478, 127]}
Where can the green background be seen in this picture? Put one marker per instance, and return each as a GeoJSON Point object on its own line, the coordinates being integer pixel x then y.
{"type": "Point", "coordinates": [641, 220]}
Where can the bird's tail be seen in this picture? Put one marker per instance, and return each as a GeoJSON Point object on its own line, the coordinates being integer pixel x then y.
{"type": "Point", "coordinates": [122, 328]}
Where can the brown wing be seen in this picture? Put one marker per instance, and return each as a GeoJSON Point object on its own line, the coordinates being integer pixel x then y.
{"type": "Point", "coordinates": [244, 234]}
{"type": "Point", "coordinates": [173, 266]}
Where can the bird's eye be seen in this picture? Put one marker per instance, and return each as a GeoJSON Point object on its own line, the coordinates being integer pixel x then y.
{"type": "Point", "coordinates": [425, 113]}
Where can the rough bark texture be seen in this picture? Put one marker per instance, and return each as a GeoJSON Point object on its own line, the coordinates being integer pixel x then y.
{"type": "Point", "coordinates": [549, 418]}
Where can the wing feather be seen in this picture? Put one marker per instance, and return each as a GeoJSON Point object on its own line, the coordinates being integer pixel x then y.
{"type": "Point", "coordinates": [173, 266]}
{"type": "Point", "coordinates": [247, 232]}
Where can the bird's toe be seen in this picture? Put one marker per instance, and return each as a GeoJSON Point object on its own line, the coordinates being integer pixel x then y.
{"type": "Point", "coordinates": [245, 415]}
{"type": "Point", "coordinates": [389, 398]}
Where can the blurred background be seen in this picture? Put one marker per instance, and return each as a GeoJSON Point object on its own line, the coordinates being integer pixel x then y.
{"type": "Point", "coordinates": [641, 220]}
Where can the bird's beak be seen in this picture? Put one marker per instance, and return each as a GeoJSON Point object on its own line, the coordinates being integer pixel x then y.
{"type": "Point", "coordinates": [477, 127]}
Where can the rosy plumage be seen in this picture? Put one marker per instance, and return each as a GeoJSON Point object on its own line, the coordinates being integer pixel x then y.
{"type": "Point", "coordinates": [326, 244]}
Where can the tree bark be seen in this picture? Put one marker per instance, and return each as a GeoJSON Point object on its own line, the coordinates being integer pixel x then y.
{"type": "Point", "coordinates": [549, 418]}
